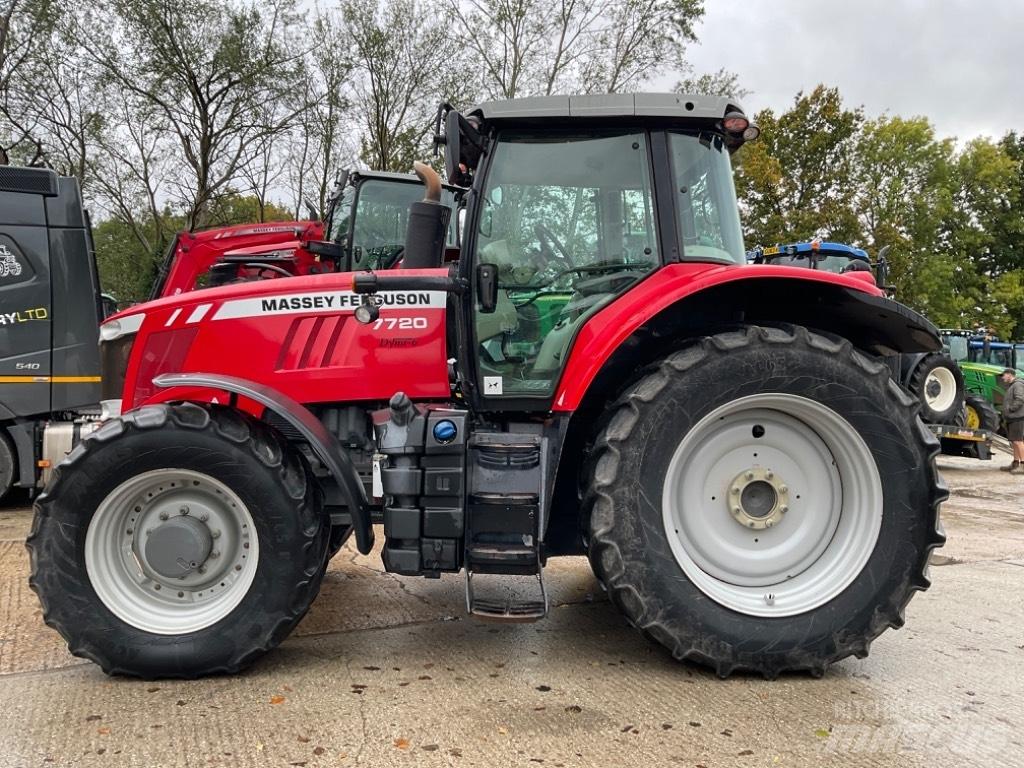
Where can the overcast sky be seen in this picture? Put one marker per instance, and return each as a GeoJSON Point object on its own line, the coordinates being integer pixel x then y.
{"type": "Point", "coordinates": [957, 62]}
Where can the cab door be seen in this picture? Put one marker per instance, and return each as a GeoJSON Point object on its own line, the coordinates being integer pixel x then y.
{"type": "Point", "coordinates": [567, 221]}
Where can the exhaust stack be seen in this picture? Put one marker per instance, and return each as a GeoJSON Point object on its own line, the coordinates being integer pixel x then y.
{"type": "Point", "coordinates": [428, 224]}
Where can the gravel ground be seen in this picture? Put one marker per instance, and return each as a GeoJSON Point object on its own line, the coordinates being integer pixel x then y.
{"type": "Point", "coordinates": [389, 671]}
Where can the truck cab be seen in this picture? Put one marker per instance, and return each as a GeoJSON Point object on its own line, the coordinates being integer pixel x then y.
{"type": "Point", "coordinates": [50, 310]}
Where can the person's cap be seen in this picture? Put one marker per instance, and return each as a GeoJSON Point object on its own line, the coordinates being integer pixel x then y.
{"type": "Point", "coordinates": [1009, 372]}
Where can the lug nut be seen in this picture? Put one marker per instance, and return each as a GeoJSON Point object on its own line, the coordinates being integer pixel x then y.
{"type": "Point", "coordinates": [184, 509]}
{"type": "Point", "coordinates": [769, 475]}
{"type": "Point", "coordinates": [202, 569]}
{"type": "Point", "coordinates": [750, 475]}
{"type": "Point", "coordinates": [204, 517]}
{"type": "Point", "coordinates": [769, 598]}
{"type": "Point", "coordinates": [783, 489]}
{"type": "Point", "coordinates": [768, 524]}
{"type": "Point", "coordinates": [215, 553]}
{"type": "Point", "coordinates": [783, 509]}
{"type": "Point", "coordinates": [164, 515]}
{"type": "Point", "coordinates": [735, 490]}
{"type": "Point", "coordinates": [215, 534]}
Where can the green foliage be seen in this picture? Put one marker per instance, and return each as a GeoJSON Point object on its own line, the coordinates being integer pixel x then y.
{"type": "Point", "coordinates": [797, 180]}
{"type": "Point", "coordinates": [953, 216]}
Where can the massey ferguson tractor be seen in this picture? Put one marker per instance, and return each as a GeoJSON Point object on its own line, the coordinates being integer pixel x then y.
{"type": "Point", "coordinates": [598, 374]}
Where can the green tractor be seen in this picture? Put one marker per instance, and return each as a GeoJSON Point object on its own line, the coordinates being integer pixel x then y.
{"type": "Point", "coordinates": [982, 357]}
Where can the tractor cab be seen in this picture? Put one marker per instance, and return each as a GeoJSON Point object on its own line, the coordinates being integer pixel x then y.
{"type": "Point", "coordinates": [367, 219]}
{"type": "Point", "coordinates": [564, 216]}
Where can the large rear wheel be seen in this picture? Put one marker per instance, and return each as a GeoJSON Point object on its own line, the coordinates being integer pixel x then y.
{"type": "Point", "coordinates": [764, 500]}
{"type": "Point", "coordinates": [178, 541]}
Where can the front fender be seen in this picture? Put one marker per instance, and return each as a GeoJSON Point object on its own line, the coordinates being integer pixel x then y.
{"type": "Point", "coordinates": [321, 440]}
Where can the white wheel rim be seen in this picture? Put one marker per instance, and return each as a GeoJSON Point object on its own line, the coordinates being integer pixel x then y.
{"type": "Point", "coordinates": [940, 389]}
{"type": "Point", "coordinates": [128, 584]}
{"type": "Point", "coordinates": [823, 473]}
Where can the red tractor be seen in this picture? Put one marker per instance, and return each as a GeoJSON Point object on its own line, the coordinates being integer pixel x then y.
{"type": "Point", "coordinates": [599, 374]}
{"type": "Point", "coordinates": [364, 227]}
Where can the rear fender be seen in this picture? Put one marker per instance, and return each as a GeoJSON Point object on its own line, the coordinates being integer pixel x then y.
{"type": "Point", "coordinates": [687, 300]}
{"type": "Point", "coordinates": [323, 443]}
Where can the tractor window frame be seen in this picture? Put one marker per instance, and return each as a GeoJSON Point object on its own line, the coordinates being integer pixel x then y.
{"type": "Point", "coordinates": [665, 235]}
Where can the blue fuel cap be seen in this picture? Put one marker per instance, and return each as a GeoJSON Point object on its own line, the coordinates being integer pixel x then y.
{"type": "Point", "coordinates": [445, 431]}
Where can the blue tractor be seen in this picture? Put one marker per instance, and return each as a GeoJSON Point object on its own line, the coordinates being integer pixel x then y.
{"type": "Point", "coordinates": [823, 255]}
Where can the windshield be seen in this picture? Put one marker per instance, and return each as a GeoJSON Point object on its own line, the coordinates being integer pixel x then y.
{"type": "Point", "coordinates": [382, 214]}
{"type": "Point", "coordinates": [1002, 356]}
{"type": "Point", "coordinates": [709, 219]}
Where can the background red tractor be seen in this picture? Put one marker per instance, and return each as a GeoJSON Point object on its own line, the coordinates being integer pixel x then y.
{"type": "Point", "coordinates": [598, 374]}
{"type": "Point", "coordinates": [363, 228]}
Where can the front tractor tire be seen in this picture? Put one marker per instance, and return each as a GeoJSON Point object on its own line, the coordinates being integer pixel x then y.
{"type": "Point", "coordinates": [178, 541]}
{"type": "Point", "coordinates": [765, 500]}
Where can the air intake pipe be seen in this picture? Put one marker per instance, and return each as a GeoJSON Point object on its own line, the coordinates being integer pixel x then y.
{"type": "Point", "coordinates": [428, 224]}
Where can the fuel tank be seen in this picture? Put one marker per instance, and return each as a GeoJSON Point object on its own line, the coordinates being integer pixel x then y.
{"type": "Point", "coordinates": [297, 335]}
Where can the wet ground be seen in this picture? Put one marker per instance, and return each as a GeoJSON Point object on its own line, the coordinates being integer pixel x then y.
{"type": "Point", "coordinates": [388, 671]}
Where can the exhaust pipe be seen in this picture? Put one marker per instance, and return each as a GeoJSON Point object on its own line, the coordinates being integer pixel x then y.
{"type": "Point", "coordinates": [431, 180]}
{"type": "Point", "coordinates": [428, 224]}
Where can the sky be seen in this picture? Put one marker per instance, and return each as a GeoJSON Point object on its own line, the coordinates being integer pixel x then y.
{"type": "Point", "coordinates": [957, 62]}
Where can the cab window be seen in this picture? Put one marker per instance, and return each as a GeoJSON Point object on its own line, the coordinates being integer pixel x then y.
{"type": "Point", "coordinates": [709, 219]}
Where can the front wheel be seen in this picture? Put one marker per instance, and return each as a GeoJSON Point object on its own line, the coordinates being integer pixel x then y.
{"type": "Point", "coordinates": [178, 541]}
{"type": "Point", "coordinates": [764, 500]}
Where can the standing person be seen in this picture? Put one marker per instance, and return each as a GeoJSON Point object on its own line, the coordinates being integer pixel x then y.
{"type": "Point", "coordinates": [1013, 412]}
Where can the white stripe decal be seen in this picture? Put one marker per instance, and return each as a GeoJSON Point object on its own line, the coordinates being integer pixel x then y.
{"type": "Point", "coordinates": [172, 318]}
{"type": "Point", "coordinates": [198, 313]}
{"type": "Point", "coordinates": [332, 302]}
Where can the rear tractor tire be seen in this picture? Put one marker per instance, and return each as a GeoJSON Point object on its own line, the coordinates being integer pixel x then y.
{"type": "Point", "coordinates": [938, 383]}
{"type": "Point", "coordinates": [764, 500]}
{"type": "Point", "coordinates": [178, 541]}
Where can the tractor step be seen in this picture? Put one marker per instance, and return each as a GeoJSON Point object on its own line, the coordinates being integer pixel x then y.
{"type": "Point", "coordinates": [509, 598]}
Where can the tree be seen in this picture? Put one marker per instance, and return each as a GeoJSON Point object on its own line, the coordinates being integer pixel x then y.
{"type": "Point", "coordinates": [405, 59]}
{"type": "Point", "coordinates": [797, 180]}
{"type": "Point", "coordinates": [541, 47]}
{"type": "Point", "coordinates": [720, 83]}
{"type": "Point", "coordinates": [216, 71]}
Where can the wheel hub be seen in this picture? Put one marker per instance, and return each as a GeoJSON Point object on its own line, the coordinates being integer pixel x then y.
{"type": "Point", "coordinates": [178, 547]}
{"type": "Point", "coordinates": [758, 499]}
{"type": "Point", "coordinates": [933, 388]}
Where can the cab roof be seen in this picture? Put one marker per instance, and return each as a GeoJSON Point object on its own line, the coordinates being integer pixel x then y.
{"type": "Point", "coordinates": [617, 105]}
{"type": "Point", "coordinates": [408, 178]}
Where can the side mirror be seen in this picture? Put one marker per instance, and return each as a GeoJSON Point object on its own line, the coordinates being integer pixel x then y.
{"type": "Point", "coordinates": [487, 287]}
{"type": "Point", "coordinates": [463, 146]}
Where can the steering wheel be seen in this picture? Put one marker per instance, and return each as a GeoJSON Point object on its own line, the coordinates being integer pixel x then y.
{"type": "Point", "coordinates": [550, 245]}
{"type": "Point", "coordinates": [275, 270]}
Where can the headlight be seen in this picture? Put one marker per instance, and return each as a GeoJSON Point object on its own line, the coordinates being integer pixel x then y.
{"type": "Point", "coordinates": [115, 329]}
